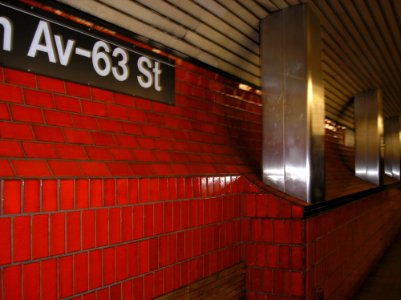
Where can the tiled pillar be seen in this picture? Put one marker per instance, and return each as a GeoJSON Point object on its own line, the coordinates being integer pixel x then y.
{"type": "Point", "coordinates": [368, 136]}
{"type": "Point", "coordinates": [293, 103]}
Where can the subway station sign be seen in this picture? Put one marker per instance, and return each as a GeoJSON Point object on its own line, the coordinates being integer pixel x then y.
{"type": "Point", "coordinates": [32, 42]}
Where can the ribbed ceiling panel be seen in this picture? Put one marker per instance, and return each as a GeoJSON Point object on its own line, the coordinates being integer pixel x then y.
{"type": "Point", "coordinates": [361, 40]}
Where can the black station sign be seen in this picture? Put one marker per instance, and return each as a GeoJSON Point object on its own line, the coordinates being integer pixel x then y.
{"type": "Point", "coordinates": [38, 44]}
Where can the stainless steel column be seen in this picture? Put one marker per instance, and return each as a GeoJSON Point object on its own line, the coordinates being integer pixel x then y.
{"type": "Point", "coordinates": [392, 147]}
{"type": "Point", "coordinates": [369, 136]}
{"type": "Point", "coordinates": [293, 103]}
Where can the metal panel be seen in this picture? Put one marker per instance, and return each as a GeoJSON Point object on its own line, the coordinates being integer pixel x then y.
{"type": "Point", "coordinates": [368, 136]}
{"type": "Point", "coordinates": [293, 104]}
{"type": "Point", "coordinates": [392, 149]}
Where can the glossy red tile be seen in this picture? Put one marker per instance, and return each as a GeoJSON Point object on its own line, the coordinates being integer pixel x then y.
{"type": "Point", "coordinates": [12, 283]}
{"type": "Point", "coordinates": [65, 276]}
{"type": "Point", "coordinates": [5, 241]}
{"type": "Point", "coordinates": [73, 231]}
{"type": "Point", "coordinates": [12, 196]}
{"type": "Point", "coordinates": [80, 272]}
{"type": "Point", "coordinates": [40, 236]}
{"type": "Point", "coordinates": [48, 282]}
{"type": "Point", "coordinates": [21, 238]}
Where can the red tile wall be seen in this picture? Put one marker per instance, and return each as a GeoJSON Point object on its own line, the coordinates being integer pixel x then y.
{"type": "Point", "coordinates": [343, 244]}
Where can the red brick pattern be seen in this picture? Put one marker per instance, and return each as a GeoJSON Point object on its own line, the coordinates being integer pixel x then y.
{"type": "Point", "coordinates": [343, 244]}
{"type": "Point", "coordinates": [87, 237]}
{"type": "Point", "coordinates": [52, 128]}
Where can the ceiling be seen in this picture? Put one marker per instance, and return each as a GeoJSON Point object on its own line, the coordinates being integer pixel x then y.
{"type": "Point", "coordinates": [361, 47]}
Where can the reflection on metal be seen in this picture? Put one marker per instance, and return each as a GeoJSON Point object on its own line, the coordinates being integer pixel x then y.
{"type": "Point", "coordinates": [368, 136]}
{"type": "Point", "coordinates": [392, 149]}
{"type": "Point", "coordinates": [293, 103]}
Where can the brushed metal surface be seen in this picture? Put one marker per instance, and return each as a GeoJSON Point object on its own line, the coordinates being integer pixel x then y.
{"type": "Point", "coordinates": [293, 103]}
{"type": "Point", "coordinates": [392, 149]}
{"type": "Point", "coordinates": [369, 136]}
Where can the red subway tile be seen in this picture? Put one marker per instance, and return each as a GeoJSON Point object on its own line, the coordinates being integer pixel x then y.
{"type": "Point", "coordinates": [103, 294]}
{"type": "Point", "coordinates": [148, 286]}
{"type": "Point", "coordinates": [261, 205]}
{"type": "Point", "coordinates": [121, 154]}
{"type": "Point", "coordinates": [73, 231]}
{"type": "Point", "coordinates": [168, 217]}
{"type": "Point", "coordinates": [109, 187]}
{"type": "Point", "coordinates": [99, 153]}
{"type": "Point", "coordinates": [267, 230]}
{"type": "Point", "coordinates": [297, 231]}
{"type": "Point", "coordinates": [121, 263]}
{"type": "Point", "coordinates": [12, 283]}
{"type": "Point", "coordinates": [272, 206]}
{"type": "Point", "coordinates": [297, 257]}
{"type": "Point", "coordinates": [39, 150]}
{"type": "Point", "coordinates": [48, 269]}
{"type": "Point", "coordinates": [138, 288]}
{"type": "Point", "coordinates": [126, 223]}
{"type": "Point", "coordinates": [67, 191]}
{"type": "Point", "coordinates": [116, 112]}
{"type": "Point", "coordinates": [65, 276]}
{"type": "Point", "coordinates": [102, 227]}
{"type": "Point", "coordinates": [131, 128]}
{"type": "Point", "coordinates": [297, 284]}
{"type": "Point", "coordinates": [135, 115]}
{"type": "Point", "coordinates": [119, 169]}
{"type": "Point", "coordinates": [133, 190]}
{"type": "Point", "coordinates": [115, 292]}
{"type": "Point", "coordinates": [148, 220]}
{"type": "Point", "coordinates": [284, 257]}
{"type": "Point", "coordinates": [79, 90]}
{"type": "Point", "coordinates": [40, 236]}
{"type": "Point", "coordinates": [10, 149]}
{"type": "Point", "coordinates": [272, 252]}
{"type": "Point", "coordinates": [31, 281]}
{"type": "Point", "coordinates": [50, 84]}
{"type": "Point", "coordinates": [38, 98]}
{"type": "Point", "coordinates": [81, 193]}
{"type": "Point", "coordinates": [65, 168]}
{"type": "Point", "coordinates": [94, 108]}
{"type": "Point", "coordinates": [153, 254]}
{"type": "Point", "coordinates": [250, 205]}
{"type": "Point", "coordinates": [57, 233]}
{"type": "Point", "coordinates": [84, 122]}
{"type": "Point", "coordinates": [80, 272]}
{"type": "Point", "coordinates": [109, 266]}
{"type": "Point", "coordinates": [127, 292]}
{"type": "Point", "coordinates": [10, 93]}
{"type": "Point", "coordinates": [48, 134]}
{"type": "Point", "coordinates": [132, 259]}
{"type": "Point", "coordinates": [88, 229]}
{"type": "Point", "coordinates": [78, 136]}
{"type": "Point", "coordinates": [158, 218]}
{"type": "Point", "coordinates": [12, 197]}
{"type": "Point", "coordinates": [144, 189]}
{"type": "Point", "coordinates": [103, 139]}
{"type": "Point", "coordinates": [5, 241]}
{"type": "Point", "coordinates": [94, 169]}
{"type": "Point", "coordinates": [31, 195]}
{"type": "Point", "coordinates": [285, 209]}
{"type": "Point", "coordinates": [100, 94]}
{"type": "Point", "coordinates": [57, 118]}
{"type": "Point", "coordinates": [95, 269]}
{"type": "Point", "coordinates": [21, 238]}
{"type": "Point", "coordinates": [26, 114]}
{"type": "Point", "coordinates": [96, 192]}
{"type": "Point", "coordinates": [90, 296]}
{"type": "Point", "coordinates": [124, 140]}
{"type": "Point", "coordinates": [122, 191]}
{"type": "Point", "coordinates": [109, 125]}
{"type": "Point", "coordinates": [282, 231]}
{"type": "Point", "coordinates": [19, 77]}
{"type": "Point", "coordinates": [36, 168]}
{"type": "Point", "coordinates": [125, 100]}
{"type": "Point", "coordinates": [114, 225]}
{"type": "Point", "coordinates": [10, 130]}
{"type": "Point", "coordinates": [4, 114]}
{"type": "Point", "coordinates": [143, 252]}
